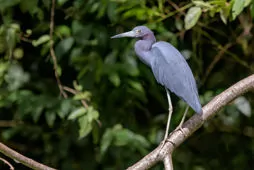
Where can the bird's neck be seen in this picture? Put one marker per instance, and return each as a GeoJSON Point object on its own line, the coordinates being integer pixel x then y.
{"type": "Point", "coordinates": [143, 49]}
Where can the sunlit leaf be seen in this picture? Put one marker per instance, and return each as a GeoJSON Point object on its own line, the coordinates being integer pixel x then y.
{"type": "Point", "coordinates": [43, 39]}
{"type": "Point", "coordinates": [83, 95]}
{"type": "Point", "coordinates": [85, 126]}
{"type": "Point", "coordinates": [92, 114]}
{"type": "Point", "coordinates": [202, 4]}
{"type": "Point", "coordinates": [11, 40]}
{"type": "Point", "coordinates": [238, 6]}
{"type": "Point", "coordinates": [192, 17]}
{"type": "Point", "coordinates": [63, 30]}
{"type": "Point", "coordinates": [18, 53]}
{"type": "Point", "coordinates": [77, 113]}
{"type": "Point", "coordinates": [16, 77]}
{"type": "Point", "coordinates": [137, 86]}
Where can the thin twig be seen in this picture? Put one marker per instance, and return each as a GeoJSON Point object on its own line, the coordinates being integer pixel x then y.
{"type": "Point", "coordinates": [83, 102]}
{"type": "Point", "coordinates": [176, 138]}
{"type": "Point", "coordinates": [52, 51]}
{"type": "Point", "coordinates": [176, 7]}
{"type": "Point", "coordinates": [216, 60]}
{"type": "Point", "coordinates": [4, 123]}
{"type": "Point", "coordinates": [22, 159]}
{"type": "Point", "coordinates": [8, 163]}
{"type": "Point", "coordinates": [73, 91]}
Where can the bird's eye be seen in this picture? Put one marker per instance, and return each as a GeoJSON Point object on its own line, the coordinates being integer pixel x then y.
{"type": "Point", "coordinates": [138, 31]}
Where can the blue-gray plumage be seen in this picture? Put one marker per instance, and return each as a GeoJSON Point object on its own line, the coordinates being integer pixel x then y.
{"type": "Point", "coordinates": [169, 67]}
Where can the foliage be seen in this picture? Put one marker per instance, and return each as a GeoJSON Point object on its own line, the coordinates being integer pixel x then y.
{"type": "Point", "coordinates": [125, 110]}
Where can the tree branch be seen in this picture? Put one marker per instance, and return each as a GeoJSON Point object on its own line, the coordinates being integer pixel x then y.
{"type": "Point", "coordinates": [195, 122]}
{"type": "Point", "coordinates": [168, 164]}
{"type": "Point", "coordinates": [7, 163]}
{"type": "Point", "coordinates": [22, 159]}
{"type": "Point", "coordinates": [52, 52]}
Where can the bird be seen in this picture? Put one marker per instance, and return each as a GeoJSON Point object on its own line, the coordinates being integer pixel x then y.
{"type": "Point", "coordinates": [169, 68]}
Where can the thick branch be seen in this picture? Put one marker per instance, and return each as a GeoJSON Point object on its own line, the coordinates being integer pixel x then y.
{"type": "Point", "coordinates": [195, 122]}
{"type": "Point", "coordinates": [22, 159]}
{"type": "Point", "coordinates": [168, 164]}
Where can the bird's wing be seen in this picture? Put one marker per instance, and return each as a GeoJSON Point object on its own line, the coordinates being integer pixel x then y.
{"type": "Point", "coordinates": [172, 71]}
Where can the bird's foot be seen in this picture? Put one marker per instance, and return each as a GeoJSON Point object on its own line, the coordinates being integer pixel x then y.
{"type": "Point", "coordinates": [162, 145]}
{"type": "Point", "coordinates": [179, 127]}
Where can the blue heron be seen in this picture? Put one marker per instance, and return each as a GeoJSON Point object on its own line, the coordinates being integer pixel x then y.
{"type": "Point", "coordinates": [169, 67]}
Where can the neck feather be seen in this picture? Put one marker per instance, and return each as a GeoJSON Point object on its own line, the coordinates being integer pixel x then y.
{"type": "Point", "coordinates": [143, 50]}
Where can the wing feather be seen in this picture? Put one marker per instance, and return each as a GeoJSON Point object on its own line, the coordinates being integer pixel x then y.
{"type": "Point", "coordinates": [172, 71]}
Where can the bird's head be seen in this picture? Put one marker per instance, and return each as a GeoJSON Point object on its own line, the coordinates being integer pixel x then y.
{"type": "Point", "coordinates": [137, 32]}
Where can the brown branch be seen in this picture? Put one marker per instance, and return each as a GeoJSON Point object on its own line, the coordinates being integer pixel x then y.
{"type": "Point", "coordinates": [73, 91]}
{"type": "Point", "coordinates": [52, 51]}
{"type": "Point", "coordinates": [11, 123]}
{"type": "Point", "coordinates": [195, 122]}
{"type": "Point", "coordinates": [176, 7]}
{"type": "Point", "coordinates": [7, 163]}
{"type": "Point", "coordinates": [22, 159]}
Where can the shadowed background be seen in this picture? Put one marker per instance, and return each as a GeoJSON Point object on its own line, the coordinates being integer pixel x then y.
{"type": "Point", "coordinates": [126, 110]}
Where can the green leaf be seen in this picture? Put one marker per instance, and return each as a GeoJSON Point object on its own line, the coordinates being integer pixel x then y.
{"type": "Point", "coordinates": [238, 6]}
{"type": "Point", "coordinates": [106, 141]}
{"type": "Point", "coordinates": [115, 79]}
{"type": "Point", "coordinates": [61, 2]}
{"type": "Point", "coordinates": [192, 17]}
{"type": "Point", "coordinates": [28, 5]}
{"type": "Point", "coordinates": [77, 113]}
{"type": "Point", "coordinates": [16, 77]}
{"type": "Point", "coordinates": [43, 39]}
{"type": "Point", "coordinates": [64, 46]}
{"type": "Point", "coordinates": [92, 114]}
{"type": "Point", "coordinates": [85, 126]}
{"type": "Point", "coordinates": [50, 118]}
{"type": "Point", "coordinates": [77, 86]}
{"type": "Point", "coordinates": [247, 3]}
{"type": "Point", "coordinates": [224, 13]}
{"type": "Point", "coordinates": [202, 4]}
{"type": "Point", "coordinates": [37, 113]}
{"type": "Point", "coordinates": [137, 86]}
{"type": "Point", "coordinates": [120, 136]}
{"type": "Point", "coordinates": [63, 30]}
{"type": "Point", "coordinates": [83, 95]}
{"type": "Point", "coordinates": [18, 53]}
{"type": "Point", "coordinates": [11, 39]}
{"type": "Point", "coordinates": [65, 108]}
{"type": "Point", "coordinates": [8, 3]}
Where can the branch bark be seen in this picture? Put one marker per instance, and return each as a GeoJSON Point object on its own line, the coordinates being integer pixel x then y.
{"type": "Point", "coordinates": [162, 153]}
{"type": "Point", "coordinates": [22, 159]}
{"type": "Point", "coordinates": [195, 122]}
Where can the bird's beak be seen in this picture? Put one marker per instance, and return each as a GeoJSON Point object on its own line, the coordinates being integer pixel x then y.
{"type": "Point", "coordinates": [125, 34]}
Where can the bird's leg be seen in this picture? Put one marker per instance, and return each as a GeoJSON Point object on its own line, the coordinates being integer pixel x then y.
{"type": "Point", "coordinates": [182, 121]}
{"type": "Point", "coordinates": [170, 110]}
